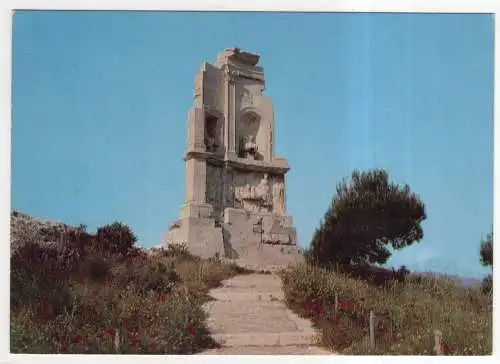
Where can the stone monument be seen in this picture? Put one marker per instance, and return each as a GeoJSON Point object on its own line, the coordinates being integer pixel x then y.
{"type": "Point", "coordinates": [235, 200]}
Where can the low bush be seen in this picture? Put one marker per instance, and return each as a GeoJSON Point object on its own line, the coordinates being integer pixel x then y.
{"type": "Point", "coordinates": [179, 251]}
{"type": "Point", "coordinates": [115, 238]}
{"type": "Point", "coordinates": [148, 275]}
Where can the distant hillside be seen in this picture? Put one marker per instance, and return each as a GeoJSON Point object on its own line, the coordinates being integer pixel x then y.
{"type": "Point", "coordinates": [464, 281]}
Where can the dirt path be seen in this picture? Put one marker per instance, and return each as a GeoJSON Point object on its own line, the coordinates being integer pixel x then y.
{"type": "Point", "coordinates": [249, 317]}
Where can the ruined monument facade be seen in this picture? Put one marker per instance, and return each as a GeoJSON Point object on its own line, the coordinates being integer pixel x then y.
{"type": "Point", "coordinates": [235, 189]}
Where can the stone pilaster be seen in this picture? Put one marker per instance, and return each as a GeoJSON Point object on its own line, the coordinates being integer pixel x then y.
{"type": "Point", "coordinates": [196, 179]}
{"type": "Point", "coordinates": [232, 120]}
{"type": "Point", "coordinates": [196, 129]}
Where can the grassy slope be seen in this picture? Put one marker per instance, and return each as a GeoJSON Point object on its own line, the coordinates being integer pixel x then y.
{"type": "Point", "coordinates": [139, 303]}
{"type": "Point", "coordinates": [464, 315]}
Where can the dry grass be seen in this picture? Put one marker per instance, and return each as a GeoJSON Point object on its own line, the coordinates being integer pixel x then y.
{"type": "Point", "coordinates": [416, 308]}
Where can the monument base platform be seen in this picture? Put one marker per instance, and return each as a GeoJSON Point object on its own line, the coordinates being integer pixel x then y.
{"type": "Point", "coordinates": [257, 241]}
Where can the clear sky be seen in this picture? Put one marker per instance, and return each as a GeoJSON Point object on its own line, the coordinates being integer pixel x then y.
{"type": "Point", "coordinates": [100, 102]}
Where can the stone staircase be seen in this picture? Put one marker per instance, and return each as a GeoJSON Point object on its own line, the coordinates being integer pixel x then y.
{"type": "Point", "coordinates": [249, 317]}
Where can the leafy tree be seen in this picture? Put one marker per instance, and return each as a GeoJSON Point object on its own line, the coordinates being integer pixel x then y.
{"type": "Point", "coordinates": [367, 214]}
{"type": "Point", "coordinates": [486, 253]}
{"type": "Point", "coordinates": [486, 250]}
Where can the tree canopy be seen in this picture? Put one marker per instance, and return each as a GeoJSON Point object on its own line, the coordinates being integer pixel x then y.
{"type": "Point", "coordinates": [486, 254]}
{"type": "Point", "coordinates": [367, 214]}
{"type": "Point", "coordinates": [486, 250]}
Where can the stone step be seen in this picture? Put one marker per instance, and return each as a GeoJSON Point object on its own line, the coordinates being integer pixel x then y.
{"type": "Point", "coordinates": [229, 317]}
{"type": "Point", "coordinates": [254, 281]}
{"type": "Point", "coordinates": [265, 339]}
{"type": "Point", "coordinates": [269, 350]}
{"type": "Point", "coordinates": [251, 291]}
{"type": "Point", "coordinates": [228, 295]}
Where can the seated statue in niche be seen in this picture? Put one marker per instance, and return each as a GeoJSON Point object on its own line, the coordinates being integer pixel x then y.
{"type": "Point", "coordinates": [248, 147]}
{"type": "Point", "coordinates": [210, 139]}
{"type": "Point", "coordinates": [211, 144]}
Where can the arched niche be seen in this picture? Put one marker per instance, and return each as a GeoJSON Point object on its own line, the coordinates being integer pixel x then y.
{"type": "Point", "coordinates": [250, 137]}
{"type": "Point", "coordinates": [213, 130]}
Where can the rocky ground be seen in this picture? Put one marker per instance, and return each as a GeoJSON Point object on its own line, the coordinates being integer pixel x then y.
{"type": "Point", "coordinates": [24, 228]}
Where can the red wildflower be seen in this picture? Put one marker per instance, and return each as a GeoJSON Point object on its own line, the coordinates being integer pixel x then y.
{"type": "Point", "coordinates": [192, 330]}
{"type": "Point", "coordinates": [366, 323]}
{"type": "Point", "coordinates": [334, 318]}
{"type": "Point", "coordinates": [45, 309]}
{"type": "Point", "coordinates": [111, 302]}
{"type": "Point", "coordinates": [95, 302]}
{"type": "Point", "coordinates": [152, 347]}
{"type": "Point", "coordinates": [344, 305]}
{"type": "Point", "coordinates": [129, 324]}
{"type": "Point", "coordinates": [109, 330]}
{"type": "Point", "coordinates": [161, 297]}
{"type": "Point", "coordinates": [445, 349]}
{"type": "Point", "coordinates": [314, 307]}
{"type": "Point", "coordinates": [133, 341]}
{"type": "Point", "coordinates": [63, 348]}
{"type": "Point", "coordinates": [76, 339]}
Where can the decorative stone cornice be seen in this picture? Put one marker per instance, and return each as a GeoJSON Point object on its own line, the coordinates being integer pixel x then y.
{"type": "Point", "coordinates": [262, 168]}
{"type": "Point", "coordinates": [279, 166]}
{"type": "Point", "coordinates": [251, 73]}
{"type": "Point", "coordinates": [245, 58]}
{"type": "Point", "coordinates": [233, 71]}
{"type": "Point", "coordinates": [211, 158]}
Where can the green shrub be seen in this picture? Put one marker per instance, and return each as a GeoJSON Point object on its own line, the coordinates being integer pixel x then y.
{"type": "Point", "coordinates": [149, 275]}
{"type": "Point", "coordinates": [37, 271]}
{"type": "Point", "coordinates": [98, 269]}
{"type": "Point", "coordinates": [487, 284]}
{"type": "Point", "coordinates": [180, 252]}
{"type": "Point", "coordinates": [115, 238]}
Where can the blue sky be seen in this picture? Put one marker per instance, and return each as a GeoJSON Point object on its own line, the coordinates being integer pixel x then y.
{"type": "Point", "coordinates": [100, 101]}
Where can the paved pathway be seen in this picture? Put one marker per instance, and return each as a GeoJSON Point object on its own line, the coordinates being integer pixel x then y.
{"type": "Point", "coordinates": [249, 317]}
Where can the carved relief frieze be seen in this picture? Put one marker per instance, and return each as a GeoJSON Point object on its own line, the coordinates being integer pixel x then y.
{"type": "Point", "coordinates": [260, 196]}
{"type": "Point", "coordinates": [255, 197]}
{"type": "Point", "coordinates": [214, 185]}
